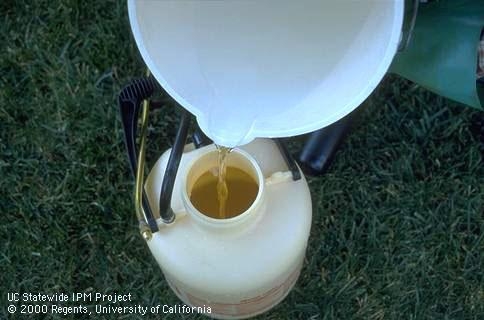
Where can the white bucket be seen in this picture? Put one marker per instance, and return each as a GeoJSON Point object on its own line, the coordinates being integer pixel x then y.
{"type": "Point", "coordinates": [250, 69]}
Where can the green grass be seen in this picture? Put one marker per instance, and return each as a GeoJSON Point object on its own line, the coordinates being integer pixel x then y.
{"type": "Point", "coordinates": [398, 221]}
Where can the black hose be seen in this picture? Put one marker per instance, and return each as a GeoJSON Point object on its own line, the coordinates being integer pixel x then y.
{"type": "Point", "coordinates": [166, 213]}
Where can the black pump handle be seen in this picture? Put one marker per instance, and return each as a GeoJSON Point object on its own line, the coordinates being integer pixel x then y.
{"type": "Point", "coordinates": [130, 99]}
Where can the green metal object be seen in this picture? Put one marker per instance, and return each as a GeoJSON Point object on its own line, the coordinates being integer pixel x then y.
{"type": "Point", "coordinates": [441, 54]}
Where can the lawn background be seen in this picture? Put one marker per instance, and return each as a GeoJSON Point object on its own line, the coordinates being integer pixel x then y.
{"type": "Point", "coordinates": [398, 221]}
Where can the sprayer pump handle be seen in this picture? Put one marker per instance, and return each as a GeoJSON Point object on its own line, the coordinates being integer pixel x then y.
{"type": "Point", "coordinates": [130, 99]}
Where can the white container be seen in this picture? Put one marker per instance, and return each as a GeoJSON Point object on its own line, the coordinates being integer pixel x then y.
{"type": "Point", "coordinates": [250, 69]}
{"type": "Point", "coordinates": [242, 266]}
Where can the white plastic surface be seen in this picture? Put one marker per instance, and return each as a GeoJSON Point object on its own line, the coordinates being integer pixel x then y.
{"type": "Point", "coordinates": [241, 266]}
{"type": "Point", "coordinates": [251, 69]}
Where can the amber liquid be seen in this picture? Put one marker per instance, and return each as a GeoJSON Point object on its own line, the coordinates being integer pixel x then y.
{"type": "Point", "coordinates": [240, 190]}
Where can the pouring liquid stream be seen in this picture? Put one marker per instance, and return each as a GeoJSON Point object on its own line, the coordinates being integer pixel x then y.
{"type": "Point", "coordinates": [222, 190]}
